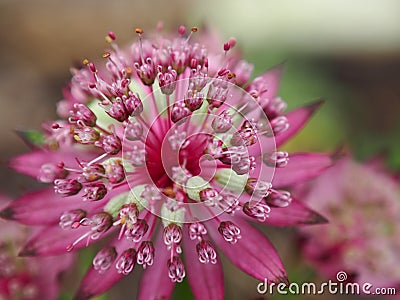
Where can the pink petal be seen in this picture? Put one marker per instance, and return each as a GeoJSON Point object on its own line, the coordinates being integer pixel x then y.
{"type": "Point", "coordinates": [253, 253]}
{"type": "Point", "coordinates": [45, 207]}
{"type": "Point", "coordinates": [297, 119]}
{"type": "Point", "coordinates": [155, 283]}
{"type": "Point", "coordinates": [50, 273]}
{"type": "Point", "coordinates": [301, 167]}
{"type": "Point", "coordinates": [54, 241]}
{"type": "Point", "coordinates": [48, 269]}
{"type": "Point", "coordinates": [272, 78]}
{"type": "Point", "coordinates": [206, 280]}
{"type": "Point", "coordinates": [30, 163]}
{"type": "Point", "coordinates": [94, 283]}
{"type": "Point", "coordinates": [293, 215]}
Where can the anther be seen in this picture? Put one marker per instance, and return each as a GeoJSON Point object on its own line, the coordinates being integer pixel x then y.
{"type": "Point", "coordinates": [104, 259]}
{"type": "Point", "coordinates": [206, 252]}
{"type": "Point", "coordinates": [98, 224]}
{"type": "Point", "coordinates": [222, 123]}
{"type": "Point", "coordinates": [128, 215]}
{"type": "Point", "coordinates": [210, 196]}
{"type": "Point", "coordinates": [279, 198]}
{"type": "Point", "coordinates": [128, 71]}
{"type": "Point", "coordinates": [92, 172]}
{"type": "Point", "coordinates": [229, 231]}
{"type": "Point", "coordinates": [114, 171]}
{"type": "Point", "coordinates": [176, 270]}
{"type": "Point", "coordinates": [259, 211]}
{"type": "Point", "coordinates": [92, 67]}
{"type": "Point", "coordinates": [226, 46]}
{"type": "Point", "coordinates": [197, 230]}
{"type": "Point", "coordinates": [254, 95]}
{"type": "Point", "coordinates": [192, 30]}
{"type": "Point", "coordinates": [182, 30]}
{"type": "Point", "coordinates": [145, 254]}
{"type": "Point", "coordinates": [94, 192]}
{"type": "Point", "coordinates": [126, 262]}
{"type": "Point", "coordinates": [82, 115]}
{"type": "Point", "coordinates": [173, 236]}
{"type": "Point", "coordinates": [137, 231]}
{"type": "Point", "coordinates": [69, 218]}
{"type": "Point", "coordinates": [67, 187]}
{"type": "Point", "coordinates": [258, 188]}
{"type": "Point", "coordinates": [111, 35]}
{"type": "Point", "coordinates": [179, 112]}
{"type": "Point", "coordinates": [50, 172]}
{"type": "Point", "coordinates": [277, 159]}
{"type": "Point", "coordinates": [110, 143]}
{"type": "Point", "coordinates": [85, 135]}
{"type": "Point", "coordinates": [133, 131]}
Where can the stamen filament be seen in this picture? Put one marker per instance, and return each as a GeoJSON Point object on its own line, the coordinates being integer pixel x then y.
{"type": "Point", "coordinates": [97, 159]}
{"type": "Point", "coordinates": [139, 31]}
{"type": "Point", "coordinates": [102, 129]}
{"type": "Point", "coordinates": [168, 102]}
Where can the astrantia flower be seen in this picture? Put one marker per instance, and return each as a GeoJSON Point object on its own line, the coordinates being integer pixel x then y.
{"type": "Point", "coordinates": [171, 129]}
{"type": "Point", "coordinates": [362, 204]}
{"type": "Point", "coordinates": [26, 278]}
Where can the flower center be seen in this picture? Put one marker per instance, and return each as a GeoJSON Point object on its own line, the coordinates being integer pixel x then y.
{"type": "Point", "coordinates": [177, 155]}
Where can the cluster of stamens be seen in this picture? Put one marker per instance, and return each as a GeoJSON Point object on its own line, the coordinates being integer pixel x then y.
{"type": "Point", "coordinates": [195, 122]}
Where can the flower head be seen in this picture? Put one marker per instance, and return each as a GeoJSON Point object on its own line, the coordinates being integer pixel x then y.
{"type": "Point", "coordinates": [169, 129]}
{"type": "Point", "coordinates": [362, 204]}
{"type": "Point", "coordinates": [24, 278]}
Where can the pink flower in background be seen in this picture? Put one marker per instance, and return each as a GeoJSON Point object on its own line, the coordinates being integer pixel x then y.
{"type": "Point", "coordinates": [26, 278]}
{"type": "Point", "coordinates": [362, 204]}
{"type": "Point", "coordinates": [169, 131]}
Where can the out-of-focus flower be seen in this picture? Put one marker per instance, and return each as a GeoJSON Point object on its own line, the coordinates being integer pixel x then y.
{"type": "Point", "coordinates": [172, 129]}
{"type": "Point", "coordinates": [362, 203]}
{"type": "Point", "coordinates": [26, 278]}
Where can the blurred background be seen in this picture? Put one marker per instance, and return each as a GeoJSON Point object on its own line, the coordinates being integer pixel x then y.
{"type": "Point", "coordinates": [346, 52]}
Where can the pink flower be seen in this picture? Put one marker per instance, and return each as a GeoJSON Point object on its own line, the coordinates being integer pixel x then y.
{"type": "Point", "coordinates": [362, 204]}
{"type": "Point", "coordinates": [26, 278]}
{"type": "Point", "coordinates": [172, 130]}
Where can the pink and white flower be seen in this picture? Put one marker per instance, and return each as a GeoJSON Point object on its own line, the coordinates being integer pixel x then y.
{"type": "Point", "coordinates": [362, 204]}
{"type": "Point", "coordinates": [27, 278]}
{"type": "Point", "coordinates": [172, 129]}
